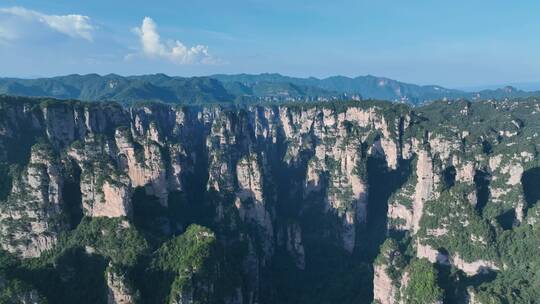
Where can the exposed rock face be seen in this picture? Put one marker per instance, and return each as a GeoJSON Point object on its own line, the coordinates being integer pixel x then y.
{"type": "Point", "coordinates": [249, 179]}
{"type": "Point", "coordinates": [432, 255]}
{"type": "Point", "coordinates": [153, 147]}
{"type": "Point", "coordinates": [250, 201]}
{"type": "Point", "coordinates": [160, 149]}
{"type": "Point", "coordinates": [384, 289]}
{"type": "Point", "coordinates": [60, 124]}
{"type": "Point", "coordinates": [278, 179]}
{"type": "Point", "coordinates": [424, 190]}
{"type": "Point", "coordinates": [388, 279]}
{"type": "Point", "coordinates": [116, 201]}
{"type": "Point", "coordinates": [473, 268]}
{"type": "Point", "coordinates": [118, 292]}
{"type": "Point", "coordinates": [30, 218]}
{"type": "Point", "coordinates": [105, 192]}
{"type": "Point", "coordinates": [404, 282]}
{"type": "Point", "coordinates": [148, 171]}
{"type": "Point", "coordinates": [340, 160]}
{"type": "Point", "coordinates": [471, 297]}
{"type": "Point", "coordinates": [401, 213]}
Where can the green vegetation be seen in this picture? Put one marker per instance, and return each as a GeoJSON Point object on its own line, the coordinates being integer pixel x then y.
{"type": "Point", "coordinates": [186, 253]}
{"type": "Point", "coordinates": [519, 283]}
{"type": "Point", "coordinates": [165, 253]}
{"type": "Point", "coordinates": [393, 259]}
{"type": "Point", "coordinates": [16, 292]}
{"type": "Point", "coordinates": [422, 285]}
{"type": "Point", "coordinates": [112, 238]}
{"type": "Point", "coordinates": [74, 270]}
{"type": "Point", "coordinates": [184, 258]}
{"type": "Point", "coordinates": [456, 214]}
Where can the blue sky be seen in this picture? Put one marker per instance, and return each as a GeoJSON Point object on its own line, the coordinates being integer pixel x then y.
{"type": "Point", "coordinates": [451, 43]}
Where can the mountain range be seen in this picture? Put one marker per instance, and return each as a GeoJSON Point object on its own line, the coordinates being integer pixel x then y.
{"type": "Point", "coordinates": [240, 88]}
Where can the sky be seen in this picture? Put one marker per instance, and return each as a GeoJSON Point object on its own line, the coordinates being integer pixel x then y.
{"type": "Point", "coordinates": [457, 43]}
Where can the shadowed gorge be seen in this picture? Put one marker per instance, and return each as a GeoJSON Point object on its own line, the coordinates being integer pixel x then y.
{"type": "Point", "coordinates": [531, 186]}
{"type": "Point", "coordinates": [481, 180]}
{"type": "Point", "coordinates": [72, 195]}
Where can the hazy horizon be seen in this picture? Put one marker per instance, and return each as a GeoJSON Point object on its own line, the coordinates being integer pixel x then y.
{"type": "Point", "coordinates": [525, 86]}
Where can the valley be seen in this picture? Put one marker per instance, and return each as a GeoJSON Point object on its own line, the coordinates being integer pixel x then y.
{"type": "Point", "coordinates": [320, 202]}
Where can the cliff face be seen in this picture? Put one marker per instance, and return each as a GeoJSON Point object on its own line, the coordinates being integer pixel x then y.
{"type": "Point", "coordinates": [31, 215]}
{"type": "Point", "coordinates": [118, 291]}
{"type": "Point", "coordinates": [280, 179]}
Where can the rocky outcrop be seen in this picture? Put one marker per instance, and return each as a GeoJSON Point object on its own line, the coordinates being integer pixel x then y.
{"type": "Point", "coordinates": [384, 289]}
{"type": "Point", "coordinates": [432, 255]}
{"type": "Point", "coordinates": [116, 201]}
{"type": "Point", "coordinates": [62, 124]}
{"type": "Point", "coordinates": [250, 200]}
{"type": "Point", "coordinates": [425, 187]}
{"type": "Point", "coordinates": [278, 179]}
{"type": "Point", "coordinates": [118, 291]}
{"type": "Point", "coordinates": [105, 191]}
{"type": "Point", "coordinates": [222, 146]}
{"type": "Point", "coordinates": [152, 147]}
{"type": "Point", "coordinates": [473, 268]}
{"type": "Point", "coordinates": [340, 160]}
{"type": "Point", "coordinates": [389, 279]}
{"type": "Point", "coordinates": [471, 297]}
{"type": "Point", "coordinates": [30, 219]}
{"type": "Point", "coordinates": [400, 216]}
{"type": "Point", "coordinates": [143, 165]}
{"type": "Point", "coordinates": [470, 268]}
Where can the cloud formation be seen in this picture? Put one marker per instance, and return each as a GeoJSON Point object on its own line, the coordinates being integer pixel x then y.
{"type": "Point", "coordinates": [73, 25]}
{"type": "Point", "coordinates": [174, 51]}
{"type": "Point", "coordinates": [6, 34]}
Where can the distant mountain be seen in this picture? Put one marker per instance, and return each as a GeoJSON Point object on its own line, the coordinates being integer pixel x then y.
{"type": "Point", "coordinates": [525, 86]}
{"type": "Point", "coordinates": [239, 88]}
{"type": "Point", "coordinates": [113, 87]}
{"type": "Point", "coordinates": [372, 87]}
{"type": "Point", "coordinates": [369, 87]}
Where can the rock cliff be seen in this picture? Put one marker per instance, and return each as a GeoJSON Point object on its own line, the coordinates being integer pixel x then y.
{"type": "Point", "coordinates": [288, 182]}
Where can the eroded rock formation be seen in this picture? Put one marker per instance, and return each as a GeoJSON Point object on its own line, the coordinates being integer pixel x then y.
{"type": "Point", "coordinates": [280, 178]}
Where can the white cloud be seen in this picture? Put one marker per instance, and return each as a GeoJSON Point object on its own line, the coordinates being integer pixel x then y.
{"type": "Point", "coordinates": [6, 34]}
{"type": "Point", "coordinates": [174, 51]}
{"type": "Point", "coordinates": [73, 25]}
